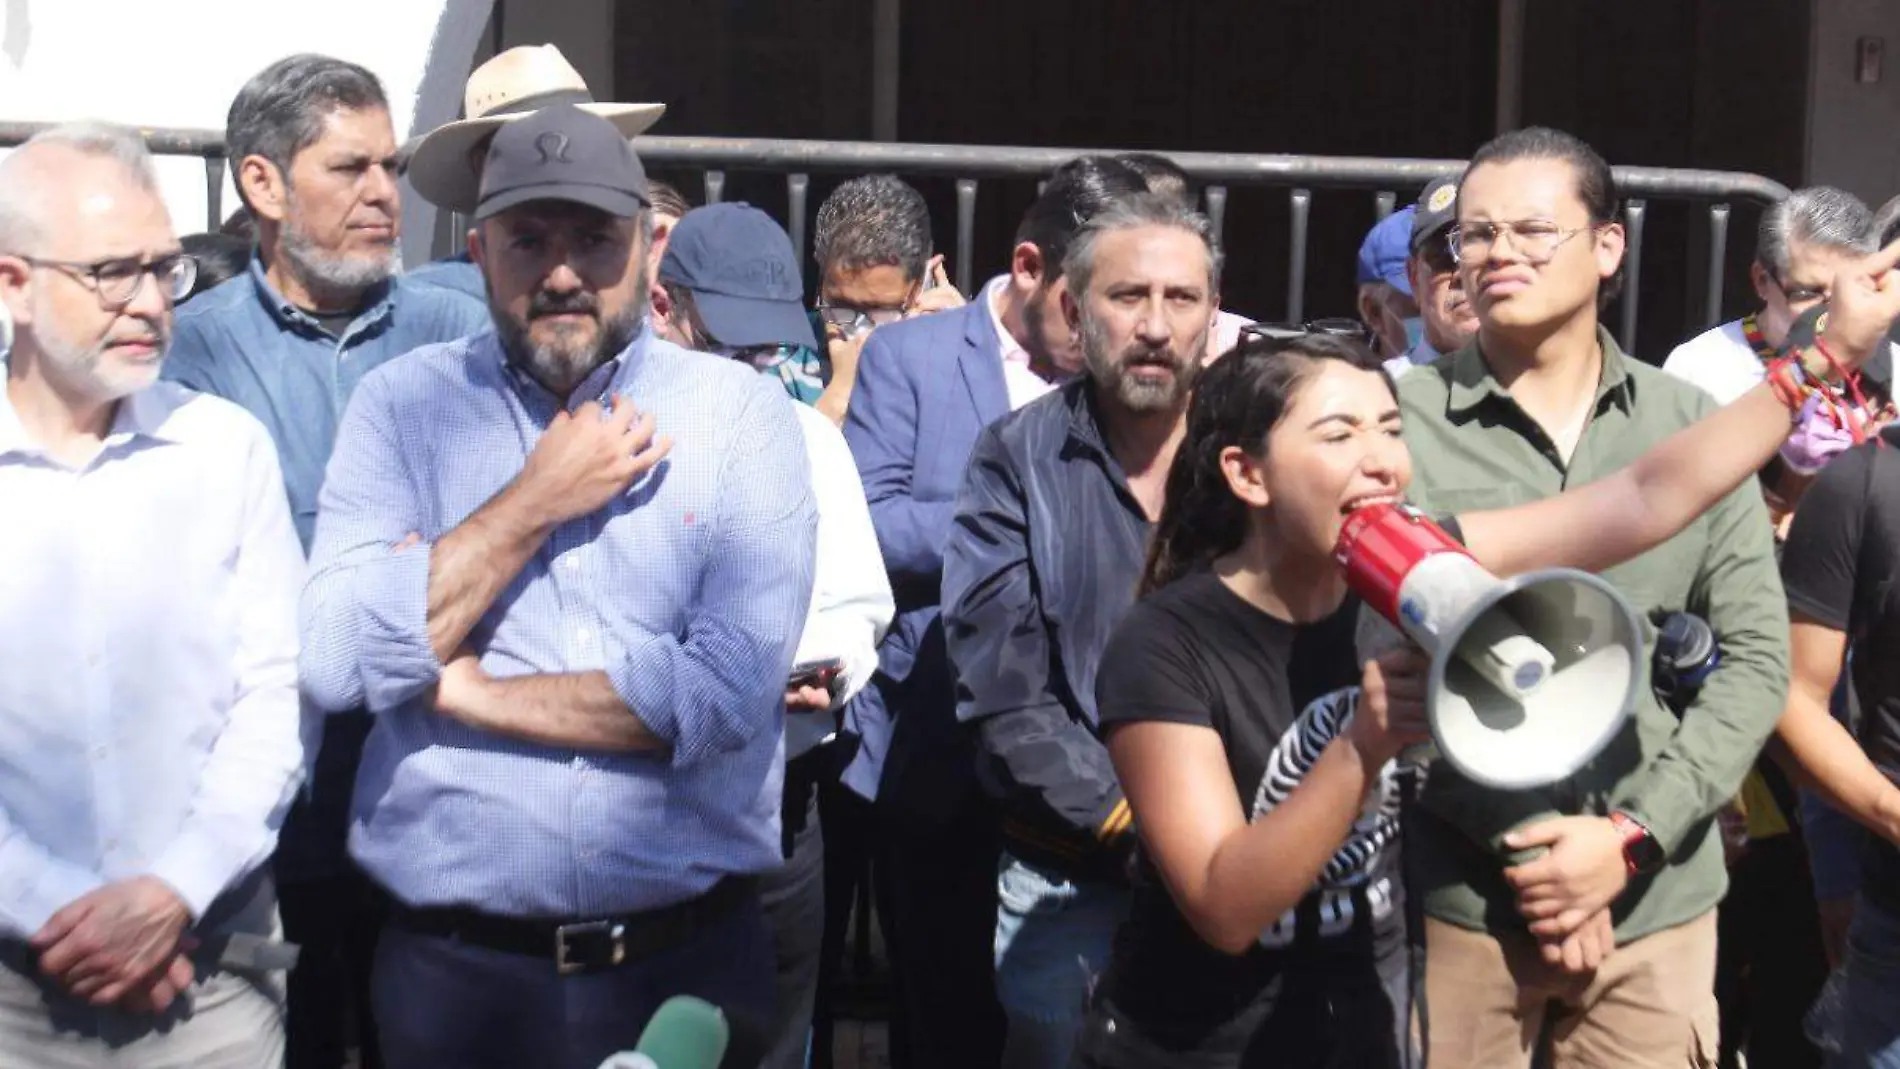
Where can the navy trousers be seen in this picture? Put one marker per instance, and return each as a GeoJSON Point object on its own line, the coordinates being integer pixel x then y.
{"type": "Point", "coordinates": [441, 1002]}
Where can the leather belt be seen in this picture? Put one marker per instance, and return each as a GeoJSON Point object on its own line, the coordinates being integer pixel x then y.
{"type": "Point", "coordinates": [587, 944]}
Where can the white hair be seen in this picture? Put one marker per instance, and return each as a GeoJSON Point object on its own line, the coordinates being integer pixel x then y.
{"type": "Point", "coordinates": [24, 174]}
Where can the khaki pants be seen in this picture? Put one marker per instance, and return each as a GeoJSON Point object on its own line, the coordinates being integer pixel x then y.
{"type": "Point", "coordinates": [226, 1021]}
{"type": "Point", "coordinates": [1650, 1005]}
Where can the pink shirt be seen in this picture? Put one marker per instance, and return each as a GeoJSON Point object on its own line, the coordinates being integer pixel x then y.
{"type": "Point", "coordinates": [1023, 384]}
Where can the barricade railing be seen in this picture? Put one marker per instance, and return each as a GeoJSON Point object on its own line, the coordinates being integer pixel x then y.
{"type": "Point", "coordinates": [1386, 181]}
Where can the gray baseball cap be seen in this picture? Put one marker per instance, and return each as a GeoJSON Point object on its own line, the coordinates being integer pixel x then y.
{"type": "Point", "coordinates": [562, 153]}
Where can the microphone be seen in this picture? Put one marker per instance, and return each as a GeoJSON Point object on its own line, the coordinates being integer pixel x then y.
{"type": "Point", "coordinates": [685, 1033]}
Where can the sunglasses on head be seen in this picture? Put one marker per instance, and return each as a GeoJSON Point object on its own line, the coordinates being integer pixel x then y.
{"type": "Point", "coordinates": [1332, 327]}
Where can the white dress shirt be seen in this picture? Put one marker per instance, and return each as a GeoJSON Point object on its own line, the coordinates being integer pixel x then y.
{"type": "Point", "coordinates": [148, 623]}
{"type": "Point", "coordinates": [1719, 360]}
{"type": "Point", "coordinates": [851, 602]}
{"type": "Point", "coordinates": [1023, 384]}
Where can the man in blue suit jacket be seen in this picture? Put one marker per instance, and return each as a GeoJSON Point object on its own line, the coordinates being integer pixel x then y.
{"type": "Point", "coordinates": [926, 388]}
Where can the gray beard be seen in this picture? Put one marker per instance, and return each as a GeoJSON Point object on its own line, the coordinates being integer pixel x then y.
{"type": "Point", "coordinates": [558, 367]}
{"type": "Point", "coordinates": [343, 278]}
{"type": "Point", "coordinates": [1111, 373]}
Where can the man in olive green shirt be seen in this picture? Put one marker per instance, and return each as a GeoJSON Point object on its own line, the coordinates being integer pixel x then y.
{"type": "Point", "coordinates": [1523, 889]}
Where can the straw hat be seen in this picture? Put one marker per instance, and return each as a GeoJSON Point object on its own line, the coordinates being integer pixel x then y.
{"type": "Point", "coordinates": [514, 84]}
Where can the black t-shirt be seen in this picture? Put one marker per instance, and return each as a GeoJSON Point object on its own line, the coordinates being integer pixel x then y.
{"type": "Point", "coordinates": [1276, 693]}
{"type": "Point", "coordinates": [1838, 566]}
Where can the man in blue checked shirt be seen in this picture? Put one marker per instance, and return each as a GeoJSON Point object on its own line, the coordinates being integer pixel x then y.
{"type": "Point", "coordinates": [575, 635]}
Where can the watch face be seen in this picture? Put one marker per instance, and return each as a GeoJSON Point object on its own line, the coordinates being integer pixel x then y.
{"type": "Point", "coordinates": [1646, 852]}
{"type": "Point", "coordinates": [1640, 849]}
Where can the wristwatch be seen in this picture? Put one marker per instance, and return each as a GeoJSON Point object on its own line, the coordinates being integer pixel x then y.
{"type": "Point", "coordinates": [1642, 854]}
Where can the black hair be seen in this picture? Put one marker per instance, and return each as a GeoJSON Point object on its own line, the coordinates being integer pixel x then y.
{"type": "Point", "coordinates": [221, 258]}
{"type": "Point", "coordinates": [281, 110]}
{"type": "Point", "coordinates": [1076, 191]}
{"type": "Point", "coordinates": [240, 224]}
{"type": "Point", "coordinates": [878, 220]}
{"type": "Point", "coordinates": [1239, 400]}
{"type": "Point", "coordinates": [1596, 183]}
{"type": "Point", "coordinates": [1161, 174]}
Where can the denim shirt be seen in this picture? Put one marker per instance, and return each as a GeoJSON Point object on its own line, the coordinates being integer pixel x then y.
{"type": "Point", "coordinates": [245, 342]}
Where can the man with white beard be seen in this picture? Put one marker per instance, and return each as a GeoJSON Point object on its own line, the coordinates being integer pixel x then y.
{"type": "Point", "coordinates": [314, 158]}
{"type": "Point", "coordinates": [148, 707]}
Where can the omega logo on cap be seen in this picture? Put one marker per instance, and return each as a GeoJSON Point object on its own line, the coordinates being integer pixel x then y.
{"type": "Point", "coordinates": [553, 147]}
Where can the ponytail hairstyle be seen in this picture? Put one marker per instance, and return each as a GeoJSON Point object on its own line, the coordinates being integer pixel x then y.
{"type": "Point", "coordinates": [1238, 401]}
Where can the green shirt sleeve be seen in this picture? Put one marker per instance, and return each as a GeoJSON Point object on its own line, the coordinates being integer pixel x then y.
{"type": "Point", "coordinates": [1738, 591]}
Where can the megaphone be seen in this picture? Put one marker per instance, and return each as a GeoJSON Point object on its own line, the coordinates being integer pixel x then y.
{"type": "Point", "coordinates": [1531, 677]}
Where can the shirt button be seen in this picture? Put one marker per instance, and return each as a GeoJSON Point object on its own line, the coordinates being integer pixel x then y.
{"type": "Point", "coordinates": [584, 635]}
{"type": "Point", "coordinates": [571, 563]}
{"type": "Point", "coordinates": [99, 753]}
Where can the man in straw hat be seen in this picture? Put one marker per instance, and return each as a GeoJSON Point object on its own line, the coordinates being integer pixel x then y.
{"type": "Point", "coordinates": [445, 164]}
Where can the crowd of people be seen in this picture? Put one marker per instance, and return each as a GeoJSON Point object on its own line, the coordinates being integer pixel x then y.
{"type": "Point", "coordinates": [447, 667]}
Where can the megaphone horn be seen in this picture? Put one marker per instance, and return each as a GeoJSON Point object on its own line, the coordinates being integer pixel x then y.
{"type": "Point", "coordinates": [1531, 677]}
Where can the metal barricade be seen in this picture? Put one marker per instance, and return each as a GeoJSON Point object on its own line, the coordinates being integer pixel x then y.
{"type": "Point", "coordinates": [1386, 181]}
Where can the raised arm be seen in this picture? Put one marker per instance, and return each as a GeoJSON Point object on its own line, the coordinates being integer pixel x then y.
{"type": "Point", "coordinates": [1630, 512]}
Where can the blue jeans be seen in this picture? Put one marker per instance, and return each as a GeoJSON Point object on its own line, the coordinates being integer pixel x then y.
{"type": "Point", "coordinates": [1052, 940]}
{"type": "Point", "coordinates": [1870, 1009]}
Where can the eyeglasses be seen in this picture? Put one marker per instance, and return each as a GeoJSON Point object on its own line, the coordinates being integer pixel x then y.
{"type": "Point", "coordinates": [855, 321]}
{"type": "Point", "coordinates": [1537, 239]}
{"type": "Point", "coordinates": [1438, 257]}
{"type": "Point", "coordinates": [117, 281]}
{"type": "Point", "coordinates": [1799, 294]}
{"type": "Point", "coordinates": [1333, 327]}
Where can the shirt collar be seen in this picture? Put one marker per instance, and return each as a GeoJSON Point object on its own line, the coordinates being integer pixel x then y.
{"type": "Point", "coordinates": [377, 303]}
{"type": "Point", "coordinates": [1421, 354]}
{"type": "Point", "coordinates": [142, 415]}
{"type": "Point", "coordinates": [1085, 425]}
{"type": "Point", "coordinates": [1013, 352]}
{"type": "Point", "coordinates": [1472, 382]}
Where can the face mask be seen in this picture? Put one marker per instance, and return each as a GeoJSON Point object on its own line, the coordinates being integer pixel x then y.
{"type": "Point", "coordinates": [1414, 332]}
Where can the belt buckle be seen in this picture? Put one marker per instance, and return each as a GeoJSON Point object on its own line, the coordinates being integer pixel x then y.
{"type": "Point", "coordinates": [568, 938]}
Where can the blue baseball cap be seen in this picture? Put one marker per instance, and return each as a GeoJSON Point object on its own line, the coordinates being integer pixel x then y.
{"type": "Point", "coordinates": [1387, 246]}
{"type": "Point", "coordinates": [738, 264]}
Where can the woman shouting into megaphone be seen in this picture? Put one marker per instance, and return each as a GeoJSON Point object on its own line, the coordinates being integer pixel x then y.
{"type": "Point", "coordinates": [1266, 927]}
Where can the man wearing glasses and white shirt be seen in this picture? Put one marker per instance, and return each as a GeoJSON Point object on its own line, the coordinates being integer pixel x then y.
{"type": "Point", "coordinates": [1802, 241]}
{"type": "Point", "coordinates": [148, 707]}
